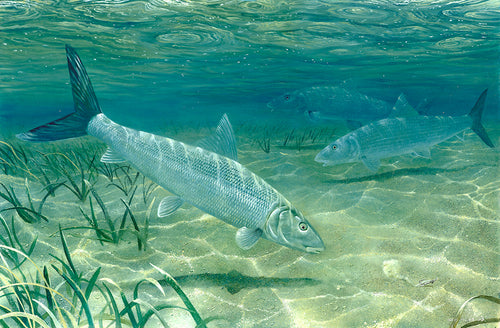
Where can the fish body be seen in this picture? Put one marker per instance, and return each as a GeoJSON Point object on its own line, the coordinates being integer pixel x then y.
{"type": "Point", "coordinates": [406, 134]}
{"type": "Point", "coordinates": [224, 188]}
{"type": "Point", "coordinates": [327, 103]}
{"type": "Point", "coordinates": [206, 176]}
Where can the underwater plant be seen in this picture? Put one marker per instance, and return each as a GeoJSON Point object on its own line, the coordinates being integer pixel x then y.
{"type": "Point", "coordinates": [79, 177]}
{"type": "Point", "coordinates": [265, 144]}
{"type": "Point", "coordinates": [126, 181]}
{"type": "Point", "coordinates": [458, 316]}
{"type": "Point", "coordinates": [288, 137]}
{"type": "Point", "coordinates": [310, 136]}
{"type": "Point", "coordinates": [14, 159]}
{"type": "Point", "coordinates": [27, 214]}
{"type": "Point", "coordinates": [115, 228]}
{"type": "Point", "coordinates": [265, 141]}
{"type": "Point", "coordinates": [147, 189]}
{"type": "Point", "coordinates": [108, 170]}
{"type": "Point", "coordinates": [66, 298]}
{"type": "Point", "coordinates": [103, 235]}
{"type": "Point", "coordinates": [141, 234]}
{"type": "Point", "coordinates": [9, 237]}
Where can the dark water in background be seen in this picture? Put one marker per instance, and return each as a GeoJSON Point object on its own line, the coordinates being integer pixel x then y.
{"type": "Point", "coordinates": [153, 62]}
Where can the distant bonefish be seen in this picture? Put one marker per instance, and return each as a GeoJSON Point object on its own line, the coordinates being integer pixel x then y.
{"type": "Point", "coordinates": [404, 132]}
{"type": "Point", "coordinates": [210, 178]}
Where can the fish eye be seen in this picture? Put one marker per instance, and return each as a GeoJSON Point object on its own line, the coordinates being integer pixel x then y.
{"type": "Point", "coordinates": [303, 226]}
{"type": "Point", "coordinates": [334, 147]}
{"type": "Point", "coordinates": [287, 97]}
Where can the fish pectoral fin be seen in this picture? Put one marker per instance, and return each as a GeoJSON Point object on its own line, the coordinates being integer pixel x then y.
{"type": "Point", "coordinates": [223, 141]}
{"type": "Point", "coordinates": [169, 205]}
{"type": "Point", "coordinates": [371, 163]}
{"type": "Point", "coordinates": [110, 156]}
{"type": "Point", "coordinates": [313, 115]}
{"type": "Point", "coordinates": [426, 153]}
{"type": "Point", "coordinates": [246, 238]}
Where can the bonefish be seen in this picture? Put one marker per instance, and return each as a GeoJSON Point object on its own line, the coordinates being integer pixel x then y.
{"type": "Point", "coordinates": [206, 176]}
{"type": "Point", "coordinates": [404, 132]}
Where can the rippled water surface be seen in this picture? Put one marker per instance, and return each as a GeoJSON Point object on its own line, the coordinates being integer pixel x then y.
{"type": "Point", "coordinates": [174, 67]}
{"type": "Point", "coordinates": [177, 58]}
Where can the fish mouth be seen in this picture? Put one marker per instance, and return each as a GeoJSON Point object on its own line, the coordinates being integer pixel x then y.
{"type": "Point", "coordinates": [315, 250]}
{"type": "Point", "coordinates": [319, 158]}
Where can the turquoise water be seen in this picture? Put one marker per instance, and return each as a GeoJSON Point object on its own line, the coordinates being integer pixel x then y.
{"type": "Point", "coordinates": [174, 67]}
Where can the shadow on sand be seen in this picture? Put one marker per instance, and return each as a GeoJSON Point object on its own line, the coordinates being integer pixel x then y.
{"type": "Point", "coordinates": [234, 281]}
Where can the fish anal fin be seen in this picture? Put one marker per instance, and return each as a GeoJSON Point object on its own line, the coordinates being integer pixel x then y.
{"type": "Point", "coordinates": [371, 163]}
{"type": "Point", "coordinates": [169, 205]}
{"type": "Point", "coordinates": [110, 156]}
{"type": "Point", "coordinates": [223, 141]}
{"type": "Point", "coordinates": [246, 238]}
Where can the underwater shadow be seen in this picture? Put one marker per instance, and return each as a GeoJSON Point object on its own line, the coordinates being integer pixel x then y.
{"type": "Point", "coordinates": [399, 173]}
{"type": "Point", "coordinates": [234, 281]}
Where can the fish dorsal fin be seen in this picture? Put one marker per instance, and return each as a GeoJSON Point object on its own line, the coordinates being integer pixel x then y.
{"type": "Point", "coordinates": [222, 141]}
{"type": "Point", "coordinates": [110, 156]}
{"type": "Point", "coordinates": [246, 238]}
{"type": "Point", "coordinates": [169, 205]}
{"type": "Point", "coordinates": [402, 108]}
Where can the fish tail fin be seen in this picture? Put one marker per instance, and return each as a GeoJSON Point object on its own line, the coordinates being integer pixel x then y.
{"type": "Point", "coordinates": [85, 102]}
{"type": "Point", "coordinates": [476, 113]}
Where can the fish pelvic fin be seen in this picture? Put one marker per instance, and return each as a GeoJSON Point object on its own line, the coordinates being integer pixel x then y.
{"type": "Point", "coordinates": [85, 102]}
{"type": "Point", "coordinates": [246, 238]}
{"type": "Point", "coordinates": [476, 113]}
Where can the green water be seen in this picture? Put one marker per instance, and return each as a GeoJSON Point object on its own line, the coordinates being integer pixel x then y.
{"type": "Point", "coordinates": [174, 67]}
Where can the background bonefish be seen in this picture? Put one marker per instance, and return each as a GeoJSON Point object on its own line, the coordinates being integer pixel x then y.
{"type": "Point", "coordinates": [402, 133]}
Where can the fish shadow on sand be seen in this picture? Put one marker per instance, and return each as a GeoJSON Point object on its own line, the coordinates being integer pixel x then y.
{"type": "Point", "coordinates": [399, 173]}
{"type": "Point", "coordinates": [234, 281]}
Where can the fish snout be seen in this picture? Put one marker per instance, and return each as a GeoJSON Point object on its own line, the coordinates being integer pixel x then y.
{"type": "Point", "coordinates": [322, 157]}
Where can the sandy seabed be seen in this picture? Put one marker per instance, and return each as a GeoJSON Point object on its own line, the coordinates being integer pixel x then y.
{"type": "Point", "coordinates": [414, 220]}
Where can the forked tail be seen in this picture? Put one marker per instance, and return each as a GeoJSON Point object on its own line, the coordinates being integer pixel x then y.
{"type": "Point", "coordinates": [476, 113]}
{"type": "Point", "coordinates": [86, 107]}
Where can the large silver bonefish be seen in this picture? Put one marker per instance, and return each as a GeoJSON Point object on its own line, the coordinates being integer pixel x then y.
{"type": "Point", "coordinates": [403, 133]}
{"type": "Point", "coordinates": [209, 178]}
